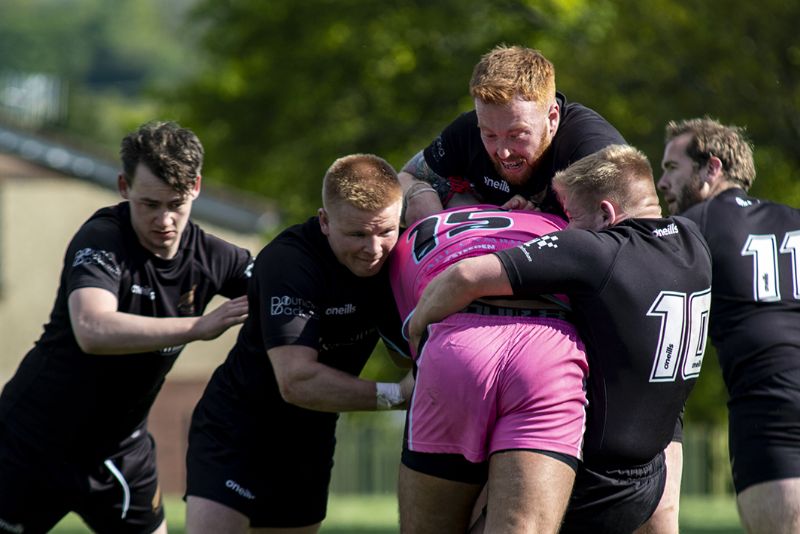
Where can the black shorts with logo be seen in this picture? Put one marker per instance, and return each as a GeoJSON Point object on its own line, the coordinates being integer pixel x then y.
{"type": "Point", "coordinates": [764, 430]}
{"type": "Point", "coordinates": [117, 496]}
{"type": "Point", "coordinates": [614, 501]}
{"type": "Point", "coordinates": [275, 474]}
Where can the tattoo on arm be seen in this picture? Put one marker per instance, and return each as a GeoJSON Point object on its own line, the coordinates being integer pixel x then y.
{"type": "Point", "coordinates": [418, 167]}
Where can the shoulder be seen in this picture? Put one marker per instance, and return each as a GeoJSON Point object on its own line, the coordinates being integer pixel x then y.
{"type": "Point", "coordinates": [212, 243]}
{"type": "Point", "coordinates": [301, 248]}
{"type": "Point", "coordinates": [108, 229]}
{"type": "Point", "coordinates": [580, 124]}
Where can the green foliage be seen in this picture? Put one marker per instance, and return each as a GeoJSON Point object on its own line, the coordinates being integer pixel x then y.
{"type": "Point", "coordinates": [292, 86]}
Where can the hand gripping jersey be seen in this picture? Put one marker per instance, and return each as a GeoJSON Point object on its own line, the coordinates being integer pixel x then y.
{"type": "Point", "coordinates": [81, 405]}
{"type": "Point", "coordinates": [640, 292]}
{"type": "Point", "coordinates": [459, 152]}
{"type": "Point", "coordinates": [438, 241]}
{"type": "Point", "coordinates": [755, 311]}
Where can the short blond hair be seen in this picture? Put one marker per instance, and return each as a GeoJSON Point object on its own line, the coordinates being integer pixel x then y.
{"type": "Point", "coordinates": [509, 71]}
{"type": "Point", "coordinates": [711, 138]}
{"type": "Point", "coordinates": [364, 181]}
{"type": "Point", "coordinates": [619, 173]}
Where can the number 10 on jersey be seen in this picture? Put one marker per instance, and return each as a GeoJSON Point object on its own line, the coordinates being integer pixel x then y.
{"type": "Point", "coordinates": [684, 329]}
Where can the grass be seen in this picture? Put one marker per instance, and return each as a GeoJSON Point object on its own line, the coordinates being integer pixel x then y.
{"type": "Point", "coordinates": [377, 514]}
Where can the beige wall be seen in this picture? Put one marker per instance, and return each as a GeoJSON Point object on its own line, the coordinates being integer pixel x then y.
{"type": "Point", "coordinates": [38, 217]}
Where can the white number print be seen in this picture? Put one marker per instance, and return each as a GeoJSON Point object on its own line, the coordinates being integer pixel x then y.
{"type": "Point", "coordinates": [684, 328]}
{"type": "Point", "coordinates": [766, 280]}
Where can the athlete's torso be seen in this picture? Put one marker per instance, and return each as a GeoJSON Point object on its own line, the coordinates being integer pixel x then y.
{"type": "Point", "coordinates": [755, 312]}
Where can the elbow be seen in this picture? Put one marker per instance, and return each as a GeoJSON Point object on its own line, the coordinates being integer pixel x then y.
{"type": "Point", "coordinates": [86, 338]}
{"type": "Point", "coordinates": [88, 345]}
{"type": "Point", "coordinates": [290, 390]}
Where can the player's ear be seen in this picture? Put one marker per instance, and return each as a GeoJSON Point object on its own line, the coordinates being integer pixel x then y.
{"type": "Point", "coordinates": [608, 213]}
{"type": "Point", "coordinates": [195, 191]}
{"type": "Point", "coordinates": [123, 186]}
{"type": "Point", "coordinates": [324, 221]}
{"type": "Point", "coordinates": [713, 168]}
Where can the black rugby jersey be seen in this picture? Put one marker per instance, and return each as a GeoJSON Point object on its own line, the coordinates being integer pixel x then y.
{"type": "Point", "coordinates": [459, 151]}
{"type": "Point", "coordinates": [755, 311]}
{"type": "Point", "coordinates": [640, 291]}
{"type": "Point", "coordinates": [301, 295]}
{"type": "Point", "coordinates": [83, 404]}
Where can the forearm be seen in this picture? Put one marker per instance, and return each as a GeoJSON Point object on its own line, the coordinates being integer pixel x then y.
{"type": "Point", "coordinates": [457, 286]}
{"type": "Point", "coordinates": [317, 386]}
{"type": "Point", "coordinates": [124, 333]}
{"type": "Point", "coordinates": [421, 190]}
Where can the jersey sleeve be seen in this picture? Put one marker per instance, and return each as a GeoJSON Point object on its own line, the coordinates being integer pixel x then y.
{"type": "Point", "coordinates": [448, 154]}
{"type": "Point", "coordinates": [94, 258]}
{"type": "Point", "coordinates": [591, 133]}
{"type": "Point", "coordinates": [233, 266]}
{"type": "Point", "coordinates": [569, 261]}
{"type": "Point", "coordinates": [289, 284]}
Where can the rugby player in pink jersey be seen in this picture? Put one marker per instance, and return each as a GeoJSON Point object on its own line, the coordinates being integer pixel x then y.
{"type": "Point", "coordinates": [500, 393]}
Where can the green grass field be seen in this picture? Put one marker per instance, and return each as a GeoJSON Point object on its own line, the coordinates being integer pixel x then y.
{"type": "Point", "coordinates": [377, 514]}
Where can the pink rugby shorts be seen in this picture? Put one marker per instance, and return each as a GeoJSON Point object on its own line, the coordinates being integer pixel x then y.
{"type": "Point", "coordinates": [492, 383]}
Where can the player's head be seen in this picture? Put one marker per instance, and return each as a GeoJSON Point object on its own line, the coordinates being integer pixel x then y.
{"type": "Point", "coordinates": [702, 158]}
{"type": "Point", "coordinates": [606, 187]}
{"type": "Point", "coordinates": [514, 90]}
{"type": "Point", "coordinates": [161, 164]}
{"type": "Point", "coordinates": [361, 199]}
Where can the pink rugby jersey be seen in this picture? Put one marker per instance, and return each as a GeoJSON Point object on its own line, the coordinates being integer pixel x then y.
{"type": "Point", "coordinates": [437, 241]}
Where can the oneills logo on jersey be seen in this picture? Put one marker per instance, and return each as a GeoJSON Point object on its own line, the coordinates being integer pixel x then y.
{"type": "Point", "coordinates": [546, 241]}
{"type": "Point", "coordinates": [669, 230]}
{"type": "Point", "coordinates": [743, 202]}
{"type": "Point", "coordinates": [347, 309]}
{"type": "Point", "coordinates": [145, 291]}
{"type": "Point", "coordinates": [186, 303]}
{"type": "Point", "coordinates": [239, 490]}
{"type": "Point", "coordinates": [501, 185]}
{"type": "Point", "coordinates": [293, 306]}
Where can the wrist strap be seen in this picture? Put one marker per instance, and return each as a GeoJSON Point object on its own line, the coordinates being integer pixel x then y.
{"type": "Point", "coordinates": [388, 395]}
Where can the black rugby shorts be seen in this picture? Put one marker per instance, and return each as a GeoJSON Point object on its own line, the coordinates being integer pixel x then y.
{"type": "Point", "coordinates": [120, 495]}
{"type": "Point", "coordinates": [275, 475]}
{"type": "Point", "coordinates": [614, 501]}
{"type": "Point", "coordinates": [764, 430]}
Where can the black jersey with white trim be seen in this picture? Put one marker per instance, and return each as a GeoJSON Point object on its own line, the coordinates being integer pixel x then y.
{"type": "Point", "coordinates": [302, 295]}
{"type": "Point", "coordinates": [755, 310]}
{"type": "Point", "coordinates": [640, 292]}
{"type": "Point", "coordinates": [459, 151]}
{"type": "Point", "coordinates": [84, 404]}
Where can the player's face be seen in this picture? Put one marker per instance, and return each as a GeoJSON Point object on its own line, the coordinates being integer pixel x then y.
{"type": "Point", "coordinates": [516, 135]}
{"type": "Point", "coordinates": [581, 214]}
{"type": "Point", "coordinates": [361, 240]}
{"type": "Point", "coordinates": [681, 182]}
{"type": "Point", "coordinates": [158, 213]}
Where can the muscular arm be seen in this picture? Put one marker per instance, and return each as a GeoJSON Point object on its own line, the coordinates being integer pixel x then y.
{"type": "Point", "coordinates": [100, 329]}
{"type": "Point", "coordinates": [305, 382]}
{"type": "Point", "coordinates": [415, 177]}
{"type": "Point", "coordinates": [457, 286]}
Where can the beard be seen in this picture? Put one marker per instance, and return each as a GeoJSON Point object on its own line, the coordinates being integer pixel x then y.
{"type": "Point", "coordinates": [689, 194]}
{"type": "Point", "coordinates": [529, 165]}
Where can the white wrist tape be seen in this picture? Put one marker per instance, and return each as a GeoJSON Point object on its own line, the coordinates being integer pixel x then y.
{"type": "Point", "coordinates": [388, 395]}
